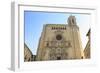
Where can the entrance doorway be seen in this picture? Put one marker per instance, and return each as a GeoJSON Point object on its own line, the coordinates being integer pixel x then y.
{"type": "Point", "coordinates": [58, 58]}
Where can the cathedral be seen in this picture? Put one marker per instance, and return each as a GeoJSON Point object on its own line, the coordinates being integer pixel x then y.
{"type": "Point", "coordinates": [60, 42]}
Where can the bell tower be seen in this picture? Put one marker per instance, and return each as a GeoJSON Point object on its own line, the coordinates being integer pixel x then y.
{"type": "Point", "coordinates": [75, 37]}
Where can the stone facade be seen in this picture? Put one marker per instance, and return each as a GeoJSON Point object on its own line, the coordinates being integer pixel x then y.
{"type": "Point", "coordinates": [28, 56]}
{"type": "Point", "coordinates": [87, 48]}
{"type": "Point", "coordinates": [60, 42]}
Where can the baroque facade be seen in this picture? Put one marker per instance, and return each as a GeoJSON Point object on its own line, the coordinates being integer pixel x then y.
{"type": "Point", "coordinates": [60, 42]}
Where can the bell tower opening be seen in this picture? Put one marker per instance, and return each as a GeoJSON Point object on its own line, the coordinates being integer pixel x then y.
{"type": "Point", "coordinates": [72, 20]}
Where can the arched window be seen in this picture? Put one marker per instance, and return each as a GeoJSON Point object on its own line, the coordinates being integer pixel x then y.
{"type": "Point", "coordinates": [47, 44]}
{"type": "Point", "coordinates": [73, 21]}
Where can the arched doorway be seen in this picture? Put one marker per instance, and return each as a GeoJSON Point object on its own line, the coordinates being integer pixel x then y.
{"type": "Point", "coordinates": [59, 58]}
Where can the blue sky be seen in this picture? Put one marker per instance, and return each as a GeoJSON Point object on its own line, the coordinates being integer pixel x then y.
{"type": "Point", "coordinates": [34, 21]}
